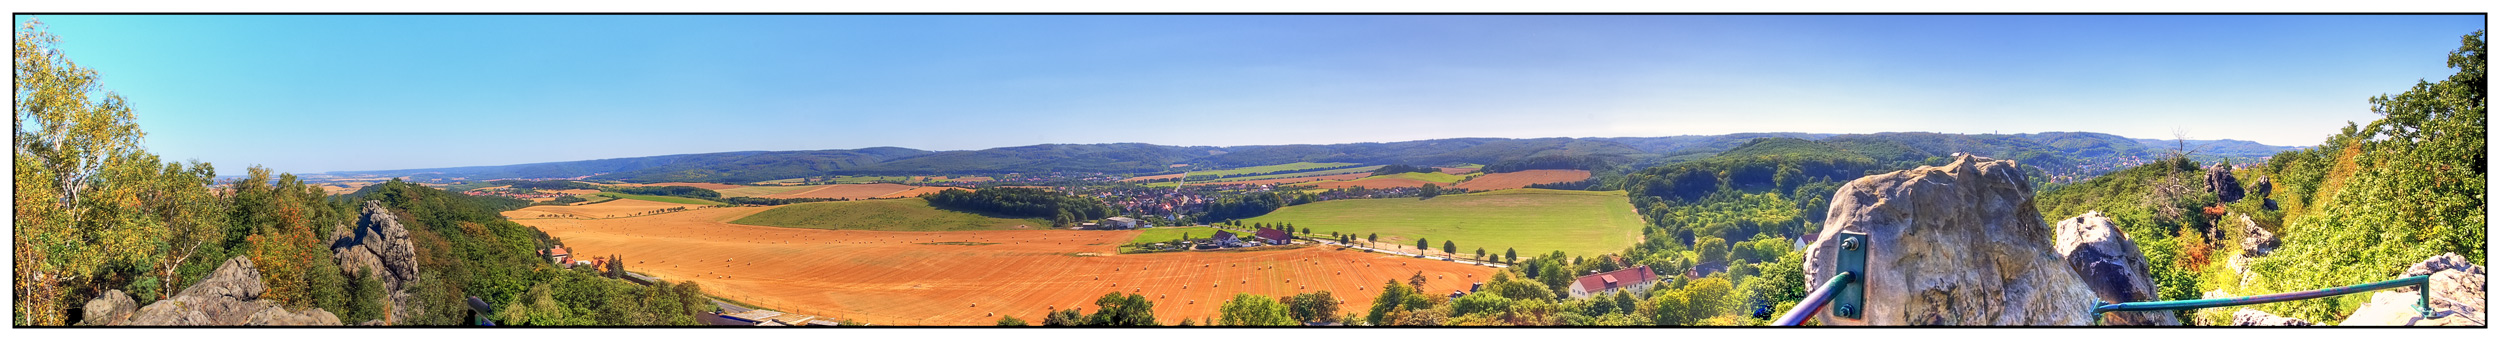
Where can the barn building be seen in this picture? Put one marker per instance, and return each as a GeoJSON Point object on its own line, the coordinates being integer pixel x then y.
{"type": "Point", "coordinates": [1275, 236]}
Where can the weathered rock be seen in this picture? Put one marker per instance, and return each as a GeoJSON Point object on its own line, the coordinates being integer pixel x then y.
{"type": "Point", "coordinates": [229, 296]}
{"type": "Point", "coordinates": [2265, 187]}
{"type": "Point", "coordinates": [2259, 242]}
{"type": "Point", "coordinates": [2218, 180]}
{"type": "Point", "coordinates": [379, 245]}
{"type": "Point", "coordinates": [1959, 244]}
{"type": "Point", "coordinates": [277, 316]}
{"type": "Point", "coordinates": [2457, 292]}
{"type": "Point", "coordinates": [2252, 317]}
{"type": "Point", "coordinates": [113, 308]}
{"type": "Point", "coordinates": [2112, 266]}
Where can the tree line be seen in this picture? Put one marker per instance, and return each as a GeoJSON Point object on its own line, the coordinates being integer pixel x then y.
{"type": "Point", "coordinates": [1060, 208]}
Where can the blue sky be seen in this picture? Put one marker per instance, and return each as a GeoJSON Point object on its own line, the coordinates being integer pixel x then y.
{"type": "Point", "coordinates": [312, 94]}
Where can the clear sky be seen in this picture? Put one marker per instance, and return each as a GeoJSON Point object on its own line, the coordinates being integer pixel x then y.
{"type": "Point", "coordinates": [310, 94]}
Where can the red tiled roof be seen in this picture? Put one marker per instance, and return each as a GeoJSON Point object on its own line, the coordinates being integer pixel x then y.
{"type": "Point", "coordinates": [1274, 234]}
{"type": "Point", "coordinates": [1620, 278]}
{"type": "Point", "coordinates": [557, 252]}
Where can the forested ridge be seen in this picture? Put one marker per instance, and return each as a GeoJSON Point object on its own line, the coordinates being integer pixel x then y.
{"type": "Point", "coordinates": [2053, 152]}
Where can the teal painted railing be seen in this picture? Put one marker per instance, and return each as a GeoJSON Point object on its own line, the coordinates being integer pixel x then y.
{"type": "Point", "coordinates": [1815, 301]}
{"type": "Point", "coordinates": [1821, 296]}
{"type": "Point", "coordinates": [2421, 283]}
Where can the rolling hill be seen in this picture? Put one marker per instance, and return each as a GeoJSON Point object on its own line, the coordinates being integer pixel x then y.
{"type": "Point", "coordinates": [2075, 153]}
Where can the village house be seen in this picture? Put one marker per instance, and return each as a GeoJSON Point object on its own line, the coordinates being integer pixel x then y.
{"type": "Point", "coordinates": [1275, 236]}
{"type": "Point", "coordinates": [1225, 239]}
{"type": "Point", "coordinates": [1637, 278]}
{"type": "Point", "coordinates": [559, 255]}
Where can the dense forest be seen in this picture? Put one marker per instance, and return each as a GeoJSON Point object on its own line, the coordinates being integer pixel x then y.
{"type": "Point", "coordinates": [1060, 208]}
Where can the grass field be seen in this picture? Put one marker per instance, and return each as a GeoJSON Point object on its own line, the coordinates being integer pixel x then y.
{"type": "Point", "coordinates": [666, 199]}
{"type": "Point", "coordinates": [1535, 221]}
{"type": "Point", "coordinates": [883, 215]}
{"type": "Point", "coordinates": [1157, 235]}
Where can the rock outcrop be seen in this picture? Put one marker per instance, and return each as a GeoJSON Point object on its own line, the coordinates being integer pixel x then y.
{"type": "Point", "coordinates": [2252, 317]}
{"type": "Point", "coordinates": [228, 297]}
{"type": "Point", "coordinates": [2265, 187]}
{"type": "Point", "coordinates": [2218, 180]}
{"type": "Point", "coordinates": [379, 245]}
{"type": "Point", "coordinates": [2457, 292]}
{"type": "Point", "coordinates": [2259, 242]}
{"type": "Point", "coordinates": [2112, 266]}
{"type": "Point", "coordinates": [1959, 244]}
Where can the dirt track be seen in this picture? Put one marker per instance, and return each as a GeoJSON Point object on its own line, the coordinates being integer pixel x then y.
{"type": "Point", "coordinates": [892, 278]}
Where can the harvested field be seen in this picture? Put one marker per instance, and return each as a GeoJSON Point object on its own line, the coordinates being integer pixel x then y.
{"type": "Point", "coordinates": [961, 277]}
{"type": "Point", "coordinates": [851, 191]}
{"type": "Point", "coordinates": [1521, 179]}
{"type": "Point", "coordinates": [611, 209]}
{"type": "Point", "coordinates": [337, 189]}
{"type": "Point", "coordinates": [761, 191]}
{"type": "Point", "coordinates": [702, 185]}
{"type": "Point", "coordinates": [916, 192]}
{"type": "Point", "coordinates": [1282, 181]}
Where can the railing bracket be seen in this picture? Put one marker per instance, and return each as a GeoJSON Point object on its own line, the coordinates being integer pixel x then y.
{"type": "Point", "coordinates": [1849, 301]}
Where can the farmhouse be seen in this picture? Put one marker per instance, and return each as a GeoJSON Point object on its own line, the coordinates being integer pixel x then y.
{"type": "Point", "coordinates": [1119, 223]}
{"type": "Point", "coordinates": [559, 255]}
{"type": "Point", "coordinates": [1275, 236]}
{"type": "Point", "coordinates": [1636, 278]}
{"type": "Point", "coordinates": [1223, 239]}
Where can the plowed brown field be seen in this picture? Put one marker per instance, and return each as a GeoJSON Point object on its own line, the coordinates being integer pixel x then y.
{"type": "Point", "coordinates": [1521, 179]}
{"type": "Point", "coordinates": [892, 278]}
{"type": "Point", "coordinates": [609, 209]}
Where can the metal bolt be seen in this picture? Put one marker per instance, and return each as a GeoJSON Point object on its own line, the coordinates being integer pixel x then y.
{"type": "Point", "coordinates": [1850, 244]}
{"type": "Point", "coordinates": [1846, 311]}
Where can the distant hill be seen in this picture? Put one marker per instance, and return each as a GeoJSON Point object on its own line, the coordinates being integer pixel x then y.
{"type": "Point", "coordinates": [2066, 153]}
{"type": "Point", "coordinates": [2209, 150]}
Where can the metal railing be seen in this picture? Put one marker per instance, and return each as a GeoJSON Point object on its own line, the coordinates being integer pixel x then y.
{"type": "Point", "coordinates": [1822, 296]}
{"type": "Point", "coordinates": [2420, 283]}
{"type": "Point", "coordinates": [1815, 301]}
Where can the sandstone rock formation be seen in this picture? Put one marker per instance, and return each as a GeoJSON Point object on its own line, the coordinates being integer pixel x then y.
{"type": "Point", "coordinates": [2259, 241]}
{"type": "Point", "coordinates": [2218, 180]}
{"type": "Point", "coordinates": [380, 245]}
{"type": "Point", "coordinates": [1959, 244]}
{"type": "Point", "coordinates": [228, 297]}
{"type": "Point", "coordinates": [2457, 297]}
{"type": "Point", "coordinates": [2112, 266]}
{"type": "Point", "coordinates": [2252, 317]}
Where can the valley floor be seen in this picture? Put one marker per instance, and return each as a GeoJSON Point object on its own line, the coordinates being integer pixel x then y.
{"type": "Point", "coordinates": [973, 277]}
